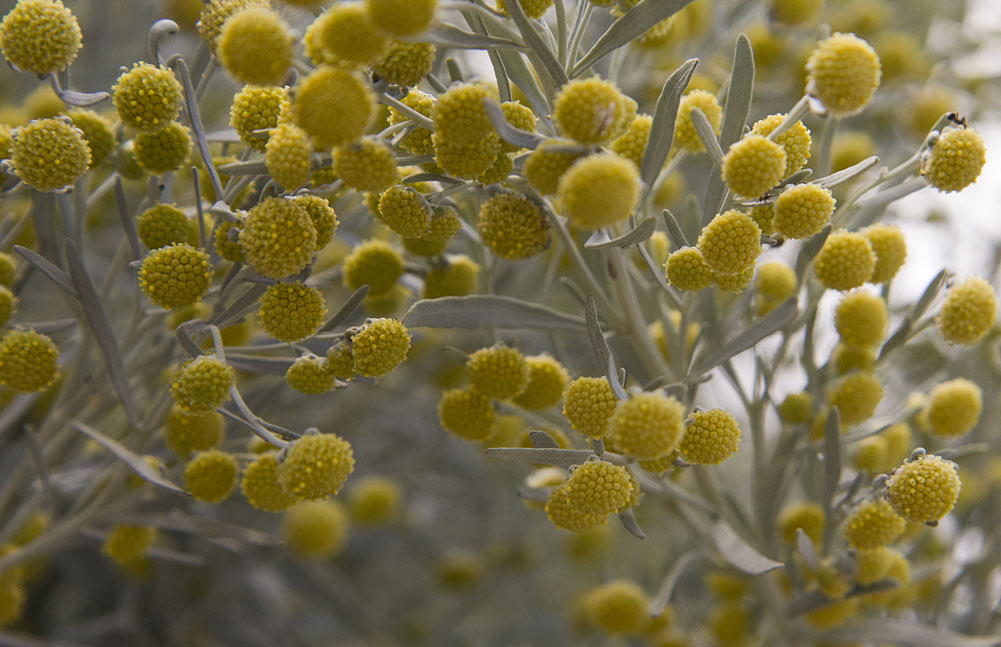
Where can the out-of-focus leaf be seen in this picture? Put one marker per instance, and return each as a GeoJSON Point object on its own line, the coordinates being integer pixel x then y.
{"type": "Point", "coordinates": [487, 311]}
{"type": "Point", "coordinates": [634, 23]}
{"type": "Point", "coordinates": [260, 365]}
{"type": "Point", "coordinates": [191, 104]}
{"type": "Point", "coordinates": [257, 167]}
{"type": "Point", "coordinates": [203, 526]}
{"type": "Point", "coordinates": [507, 132]}
{"type": "Point", "coordinates": [663, 597]}
{"type": "Point", "coordinates": [832, 457]}
{"type": "Point", "coordinates": [451, 36]}
{"type": "Point", "coordinates": [900, 632]}
{"type": "Point", "coordinates": [127, 456]}
{"type": "Point", "coordinates": [99, 325]}
{"type": "Point", "coordinates": [559, 457]}
{"type": "Point", "coordinates": [662, 128]}
{"type": "Point", "coordinates": [127, 224]}
{"type": "Point", "coordinates": [542, 440]}
{"type": "Point", "coordinates": [844, 175]}
{"type": "Point", "coordinates": [636, 235]}
{"type": "Point", "coordinates": [595, 336]}
{"type": "Point", "coordinates": [736, 551]}
{"type": "Point", "coordinates": [770, 323]}
{"type": "Point", "coordinates": [810, 248]}
{"type": "Point", "coordinates": [347, 309]}
{"type": "Point", "coordinates": [57, 276]}
{"type": "Point", "coordinates": [538, 495]}
{"type": "Point", "coordinates": [550, 65]}
{"type": "Point", "coordinates": [738, 105]}
{"type": "Point", "coordinates": [885, 197]}
{"type": "Point", "coordinates": [805, 547]}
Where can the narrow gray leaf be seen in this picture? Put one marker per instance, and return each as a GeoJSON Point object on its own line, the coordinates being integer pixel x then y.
{"type": "Point", "coordinates": [616, 379]}
{"type": "Point", "coordinates": [805, 547]}
{"type": "Point", "coordinates": [892, 194]}
{"type": "Point", "coordinates": [634, 236]}
{"type": "Point", "coordinates": [99, 325]}
{"type": "Point", "coordinates": [767, 325]}
{"type": "Point", "coordinates": [741, 555]}
{"type": "Point", "coordinates": [451, 36]}
{"type": "Point", "coordinates": [844, 175]}
{"type": "Point", "coordinates": [661, 136]}
{"type": "Point", "coordinates": [595, 336]}
{"type": "Point", "coordinates": [663, 597]}
{"type": "Point", "coordinates": [260, 365]}
{"type": "Point", "coordinates": [550, 65]}
{"type": "Point", "coordinates": [704, 130]}
{"type": "Point", "coordinates": [674, 230]}
{"type": "Point", "coordinates": [487, 311]}
{"type": "Point", "coordinates": [628, 519]}
{"type": "Point", "coordinates": [126, 218]}
{"type": "Point", "coordinates": [832, 458]}
{"type": "Point", "coordinates": [225, 136]}
{"type": "Point", "coordinates": [191, 104]}
{"type": "Point", "coordinates": [82, 99]}
{"type": "Point", "coordinates": [559, 457]}
{"type": "Point", "coordinates": [133, 460]}
{"type": "Point", "coordinates": [240, 306]}
{"type": "Point", "coordinates": [521, 75]}
{"type": "Point", "coordinates": [542, 440]}
{"type": "Point", "coordinates": [931, 291]}
{"type": "Point", "coordinates": [254, 167]}
{"type": "Point", "coordinates": [507, 132]}
{"type": "Point", "coordinates": [57, 276]}
{"type": "Point", "coordinates": [636, 22]}
{"type": "Point", "coordinates": [204, 527]}
{"type": "Point", "coordinates": [901, 632]}
{"type": "Point", "coordinates": [347, 309]}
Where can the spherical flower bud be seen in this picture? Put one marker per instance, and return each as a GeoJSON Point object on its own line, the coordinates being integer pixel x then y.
{"type": "Point", "coordinates": [260, 484]}
{"type": "Point", "coordinates": [310, 375]}
{"type": "Point", "coordinates": [891, 251]}
{"type": "Point", "coordinates": [618, 607]}
{"type": "Point", "coordinates": [323, 216]}
{"type": "Point", "coordinates": [588, 404]}
{"type": "Point", "coordinates": [211, 476]}
{"type": "Point", "coordinates": [401, 17]}
{"type": "Point", "coordinates": [287, 156]}
{"type": "Point", "coordinates": [968, 312]}
{"type": "Point", "coordinates": [856, 396]}
{"type": "Point", "coordinates": [162, 225]}
{"type": "Point", "coordinates": [40, 36]}
{"type": "Point", "coordinates": [215, 14]}
{"type": "Point", "coordinates": [192, 431]}
{"type": "Point", "coordinates": [7, 304]}
{"type": "Point", "coordinates": [795, 12]}
{"type": "Point", "coordinates": [734, 283]}
{"type": "Point", "coordinates": [8, 270]}
{"type": "Point", "coordinates": [647, 426]}
{"type": "Point", "coordinates": [229, 248]}
{"type": "Point", "coordinates": [872, 564]}
{"type": "Point", "coordinates": [457, 277]}
{"type": "Point", "coordinates": [404, 63]}
{"type": "Point", "coordinates": [175, 276]}
{"type": "Point", "coordinates": [366, 165]}
{"type": "Point", "coordinates": [380, 346]}
{"type": "Point", "coordinates": [163, 150]}
{"type": "Point", "coordinates": [631, 145]}
{"type": "Point", "coordinates": [374, 499]}
{"type": "Point", "coordinates": [753, 165]}
{"type": "Point", "coordinates": [49, 154]}
{"type": "Point", "coordinates": [764, 216]}
{"type": "Point", "coordinates": [566, 517]}
{"type": "Point", "coordinates": [499, 371]}
{"type": "Point", "coordinates": [848, 358]}
{"type": "Point", "coordinates": [315, 466]}
{"type": "Point", "coordinates": [404, 210]}
{"type": "Point", "coordinates": [861, 319]}
{"type": "Point", "coordinates": [954, 407]}
{"type": "Point", "coordinates": [806, 515]}
{"type": "Point", "coordinates": [599, 190]}
{"type": "Point", "coordinates": [796, 408]}
{"type": "Point", "coordinates": [127, 544]}
{"type": "Point", "coordinates": [256, 108]}
{"type": "Point", "coordinates": [843, 73]}
{"type": "Point", "coordinates": [532, 8]}
{"type": "Point", "coordinates": [499, 170]}
{"type": "Point", "coordinates": [340, 360]}
{"type": "Point", "coordinates": [346, 35]}
{"type": "Point", "coordinates": [459, 115]}
{"type": "Point", "coordinates": [27, 360]}
{"type": "Point", "coordinates": [373, 263]}
{"type": "Point", "coordinates": [955, 160]}
{"type": "Point", "coordinates": [291, 311]}
{"type": "Point", "coordinates": [316, 529]}
{"type": "Point", "coordinates": [466, 161]}
{"type": "Point", "coordinates": [924, 490]}
{"type": "Point", "coordinates": [445, 224]}
{"type": "Point", "coordinates": [802, 210]}
{"type": "Point", "coordinates": [686, 269]}
{"type": "Point", "coordinates": [730, 243]}
{"type": "Point", "coordinates": [776, 281]}
{"type": "Point", "coordinates": [418, 141]}
{"type": "Point", "coordinates": [147, 97]}
{"type": "Point", "coordinates": [97, 132]}
{"type": "Point", "coordinates": [845, 261]}
{"type": "Point", "coordinates": [872, 525]}
{"type": "Point", "coordinates": [513, 227]}
{"type": "Point", "coordinates": [712, 438]}
{"type": "Point", "coordinates": [466, 413]}
{"type": "Point", "coordinates": [592, 111]}
{"type": "Point", "coordinates": [599, 488]}
{"type": "Point", "coordinates": [333, 105]}
{"type": "Point", "coordinates": [546, 164]}
{"type": "Point", "coordinates": [546, 381]}
{"type": "Point", "coordinates": [685, 136]}
{"type": "Point", "coordinates": [255, 47]}
{"type": "Point", "coordinates": [795, 141]}
{"type": "Point", "coordinates": [521, 117]}
{"type": "Point", "coordinates": [202, 384]}
{"type": "Point", "coordinates": [278, 238]}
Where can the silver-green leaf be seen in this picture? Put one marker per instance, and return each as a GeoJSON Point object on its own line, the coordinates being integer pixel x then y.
{"type": "Point", "coordinates": [488, 311]}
